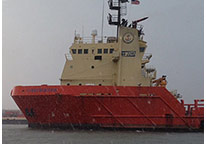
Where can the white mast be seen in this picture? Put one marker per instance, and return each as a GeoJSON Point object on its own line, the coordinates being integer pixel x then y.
{"type": "Point", "coordinates": [102, 22]}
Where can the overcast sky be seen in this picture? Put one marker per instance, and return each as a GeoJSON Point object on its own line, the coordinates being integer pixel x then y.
{"type": "Point", "coordinates": [37, 34]}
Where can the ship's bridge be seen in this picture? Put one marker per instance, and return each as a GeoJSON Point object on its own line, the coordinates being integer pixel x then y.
{"type": "Point", "coordinates": [108, 61]}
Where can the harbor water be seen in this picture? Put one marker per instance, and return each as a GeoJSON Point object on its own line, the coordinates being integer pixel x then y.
{"type": "Point", "coordinates": [21, 134]}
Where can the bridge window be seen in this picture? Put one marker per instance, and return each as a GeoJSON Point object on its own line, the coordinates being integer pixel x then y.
{"type": "Point", "coordinates": [74, 51]}
{"type": "Point", "coordinates": [111, 50]}
{"type": "Point", "coordinates": [79, 51]}
{"type": "Point", "coordinates": [85, 51]}
{"type": "Point", "coordinates": [98, 58]}
{"type": "Point", "coordinates": [99, 51]}
{"type": "Point", "coordinates": [141, 49]}
{"type": "Point", "coordinates": [105, 51]}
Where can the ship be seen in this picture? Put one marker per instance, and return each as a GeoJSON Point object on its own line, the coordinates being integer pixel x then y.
{"type": "Point", "coordinates": [106, 83]}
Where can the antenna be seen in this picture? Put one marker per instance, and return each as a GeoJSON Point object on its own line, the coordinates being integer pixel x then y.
{"type": "Point", "coordinates": [82, 33]}
{"type": "Point", "coordinates": [102, 22]}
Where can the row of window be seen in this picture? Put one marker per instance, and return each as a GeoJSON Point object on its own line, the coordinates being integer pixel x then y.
{"type": "Point", "coordinates": [99, 51]}
{"type": "Point", "coordinates": [86, 51]}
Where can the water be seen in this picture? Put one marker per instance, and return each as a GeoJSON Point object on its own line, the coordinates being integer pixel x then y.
{"type": "Point", "coordinates": [21, 134]}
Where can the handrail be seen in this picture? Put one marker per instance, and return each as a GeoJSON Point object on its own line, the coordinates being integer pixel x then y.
{"type": "Point", "coordinates": [197, 102]}
{"type": "Point", "coordinates": [89, 40]}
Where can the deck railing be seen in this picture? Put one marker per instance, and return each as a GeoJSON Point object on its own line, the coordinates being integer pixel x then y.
{"type": "Point", "coordinates": [98, 39]}
{"type": "Point", "coordinates": [198, 103]}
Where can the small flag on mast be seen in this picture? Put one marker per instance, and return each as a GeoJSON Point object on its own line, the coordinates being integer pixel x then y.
{"type": "Point", "coordinates": [137, 2]}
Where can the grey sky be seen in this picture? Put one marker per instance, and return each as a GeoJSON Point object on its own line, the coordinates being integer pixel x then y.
{"type": "Point", "coordinates": [37, 34]}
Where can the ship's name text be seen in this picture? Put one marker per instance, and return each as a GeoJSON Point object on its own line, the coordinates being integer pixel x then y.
{"type": "Point", "coordinates": [42, 90]}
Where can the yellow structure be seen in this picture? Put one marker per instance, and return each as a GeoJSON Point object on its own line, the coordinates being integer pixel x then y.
{"type": "Point", "coordinates": [119, 62]}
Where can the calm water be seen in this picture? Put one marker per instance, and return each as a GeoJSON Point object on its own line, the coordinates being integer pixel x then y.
{"type": "Point", "coordinates": [21, 134]}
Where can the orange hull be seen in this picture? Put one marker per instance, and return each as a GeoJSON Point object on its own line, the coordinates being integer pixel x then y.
{"type": "Point", "coordinates": [107, 107]}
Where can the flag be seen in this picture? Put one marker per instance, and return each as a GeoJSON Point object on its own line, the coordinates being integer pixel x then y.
{"type": "Point", "coordinates": [135, 2]}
